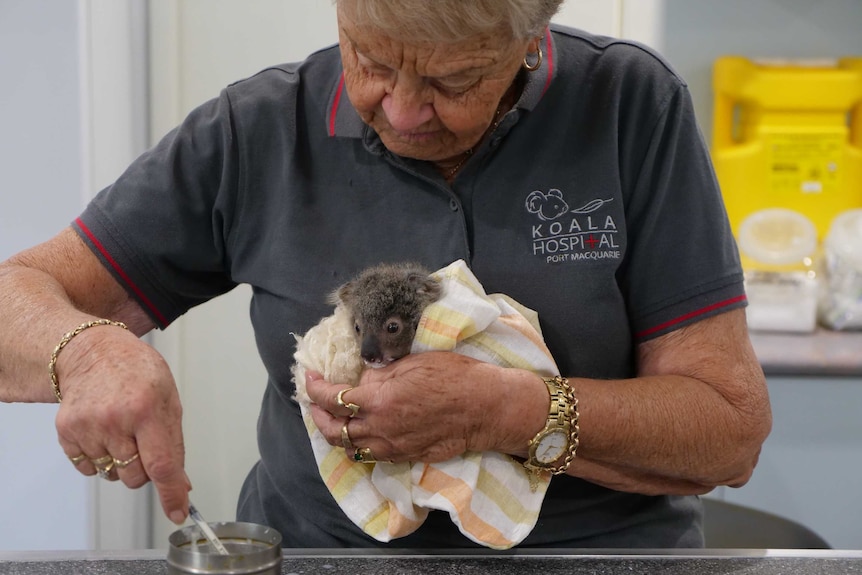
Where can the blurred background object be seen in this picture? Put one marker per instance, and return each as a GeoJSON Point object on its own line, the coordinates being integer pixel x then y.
{"type": "Point", "coordinates": [841, 293]}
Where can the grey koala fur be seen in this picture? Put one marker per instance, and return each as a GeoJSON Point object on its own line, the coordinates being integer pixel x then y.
{"type": "Point", "coordinates": [386, 302]}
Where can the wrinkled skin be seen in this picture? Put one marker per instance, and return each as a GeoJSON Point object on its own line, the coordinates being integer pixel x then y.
{"type": "Point", "coordinates": [429, 101]}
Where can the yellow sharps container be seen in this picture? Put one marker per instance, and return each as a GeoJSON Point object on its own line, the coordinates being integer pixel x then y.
{"type": "Point", "coordinates": [788, 134]}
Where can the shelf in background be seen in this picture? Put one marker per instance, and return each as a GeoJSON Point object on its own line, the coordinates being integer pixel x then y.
{"type": "Point", "coordinates": [823, 352]}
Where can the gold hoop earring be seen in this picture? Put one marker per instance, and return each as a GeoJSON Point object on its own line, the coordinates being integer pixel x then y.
{"type": "Point", "coordinates": [537, 65]}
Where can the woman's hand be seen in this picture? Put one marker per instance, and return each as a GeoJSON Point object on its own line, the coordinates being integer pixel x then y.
{"type": "Point", "coordinates": [433, 406]}
{"type": "Point", "coordinates": [120, 403]}
{"type": "Point", "coordinates": [119, 397]}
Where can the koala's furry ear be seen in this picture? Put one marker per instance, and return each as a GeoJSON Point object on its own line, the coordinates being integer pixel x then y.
{"type": "Point", "coordinates": [426, 287]}
{"type": "Point", "coordinates": [343, 294]}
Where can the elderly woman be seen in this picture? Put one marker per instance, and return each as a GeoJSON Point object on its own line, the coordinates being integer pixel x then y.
{"type": "Point", "coordinates": [566, 169]}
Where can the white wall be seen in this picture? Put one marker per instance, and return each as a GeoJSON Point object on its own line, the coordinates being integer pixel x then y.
{"type": "Point", "coordinates": [40, 192]}
{"type": "Point", "coordinates": [72, 112]}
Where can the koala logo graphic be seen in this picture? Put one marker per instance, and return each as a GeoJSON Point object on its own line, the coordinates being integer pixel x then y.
{"type": "Point", "coordinates": [548, 206]}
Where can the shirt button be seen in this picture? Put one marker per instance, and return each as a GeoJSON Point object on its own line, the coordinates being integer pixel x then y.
{"type": "Point", "coordinates": [453, 205]}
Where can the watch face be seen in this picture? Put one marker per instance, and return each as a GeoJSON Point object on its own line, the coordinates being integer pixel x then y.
{"type": "Point", "coordinates": [551, 446]}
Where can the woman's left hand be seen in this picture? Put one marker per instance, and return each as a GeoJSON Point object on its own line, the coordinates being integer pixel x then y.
{"type": "Point", "coordinates": [431, 407]}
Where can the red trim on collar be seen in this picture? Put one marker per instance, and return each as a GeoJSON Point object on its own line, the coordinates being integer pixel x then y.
{"type": "Point", "coordinates": [691, 315]}
{"type": "Point", "coordinates": [121, 273]}
{"type": "Point", "coordinates": [334, 111]}
{"type": "Point", "coordinates": [550, 51]}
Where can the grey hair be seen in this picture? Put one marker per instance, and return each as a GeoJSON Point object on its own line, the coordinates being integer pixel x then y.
{"type": "Point", "coordinates": [453, 20]}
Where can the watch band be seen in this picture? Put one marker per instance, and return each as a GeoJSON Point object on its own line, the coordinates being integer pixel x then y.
{"type": "Point", "coordinates": [562, 415]}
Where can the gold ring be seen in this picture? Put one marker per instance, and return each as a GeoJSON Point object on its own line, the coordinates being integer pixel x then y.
{"type": "Point", "coordinates": [77, 459]}
{"type": "Point", "coordinates": [339, 399]}
{"type": "Point", "coordinates": [103, 460]}
{"type": "Point", "coordinates": [105, 472]}
{"type": "Point", "coordinates": [363, 455]}
{"type": "Point", "coordinates": [345, 437]}
{"type": "Point", "coordinates": [103, 466]}
{"type": "Point", "coordinates": [123, 464]}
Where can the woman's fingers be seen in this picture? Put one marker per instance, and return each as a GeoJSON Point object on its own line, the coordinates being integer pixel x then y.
{"type": "Point", "coordinates": [121, 420]}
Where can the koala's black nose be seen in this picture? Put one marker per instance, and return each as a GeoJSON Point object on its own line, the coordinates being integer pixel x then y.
{"type": "Point", "coordinates": [370, 351]}
{"type": "Point", "coordinates": [372, 357]}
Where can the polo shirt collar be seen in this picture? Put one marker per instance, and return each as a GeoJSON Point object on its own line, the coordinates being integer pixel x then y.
{"type": "Point", "coordinates": [343, 121]}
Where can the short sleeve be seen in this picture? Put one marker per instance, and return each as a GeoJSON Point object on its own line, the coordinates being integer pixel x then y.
{"type": "Point", "coordinates": [163, 226]}
{"type": "Point", "coordinates": [682, 264]}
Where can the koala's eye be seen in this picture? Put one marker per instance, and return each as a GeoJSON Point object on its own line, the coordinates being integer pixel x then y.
{"type": "Point", "coordinates": [392, 327]}
{"type": "Point", "coordinates": [356, 327]}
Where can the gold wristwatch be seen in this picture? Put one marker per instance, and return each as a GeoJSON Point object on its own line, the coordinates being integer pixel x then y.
{"type": "Point", "coordinates": [555, 446]}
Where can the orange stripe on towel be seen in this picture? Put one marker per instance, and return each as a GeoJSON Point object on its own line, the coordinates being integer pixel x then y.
{"type": "Point", "coordinates": [439, 334]}
{"type": "Point", "coordinates": [399, 525]}
{"type": "Point", "coordinates": [459, 494]}
{"type": "Point", "coordinates": [334, 478]}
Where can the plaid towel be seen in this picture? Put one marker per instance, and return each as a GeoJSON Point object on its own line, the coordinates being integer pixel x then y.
{"type": "Point", "coordinates": [487, 495]}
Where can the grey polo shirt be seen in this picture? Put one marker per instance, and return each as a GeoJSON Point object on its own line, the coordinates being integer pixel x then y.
{"type": "Point", "coordinates": [593, 202]}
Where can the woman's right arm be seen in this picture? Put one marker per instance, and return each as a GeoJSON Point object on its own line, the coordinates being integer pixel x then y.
{"type": "Point", "coordinates": [45, 292]}
{"type": "Point", "coordinates": [119, 397]}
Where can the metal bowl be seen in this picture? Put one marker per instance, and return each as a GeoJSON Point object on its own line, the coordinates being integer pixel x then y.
{"type": "Point", "coordinates": [252, 549]}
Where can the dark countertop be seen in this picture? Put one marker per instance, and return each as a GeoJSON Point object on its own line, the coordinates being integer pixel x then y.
{"type": "Point", "coordinates": [823, 353]}
{"type": "Point", "coordinates": [352, 562]}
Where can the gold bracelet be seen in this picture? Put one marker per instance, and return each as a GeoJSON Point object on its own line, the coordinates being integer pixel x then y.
{"type": "Point", "coordinates": [574, 431]}
{"type": "Point", "coordinates": [52, 365]}
{"type": "Point", "coordinates": [545, 452]}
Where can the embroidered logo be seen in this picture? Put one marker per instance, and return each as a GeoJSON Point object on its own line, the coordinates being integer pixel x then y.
{"type": "Point", "coordinates": [568, 235]}
{"type": "Point", "coordinates": [548, 206]}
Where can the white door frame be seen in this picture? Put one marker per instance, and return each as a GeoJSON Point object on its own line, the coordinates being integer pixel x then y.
{"type": "Point", "coordinates": [112, 36]}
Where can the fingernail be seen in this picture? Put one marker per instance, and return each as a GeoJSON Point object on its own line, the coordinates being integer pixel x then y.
{"type": "Point", "coordinates": [188, 482]}
{"type": "Point", "coordinates": [178, 517]}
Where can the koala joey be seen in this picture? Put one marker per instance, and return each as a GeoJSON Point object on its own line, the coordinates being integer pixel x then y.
{"type": "Point", "coordinates": [386, 302]}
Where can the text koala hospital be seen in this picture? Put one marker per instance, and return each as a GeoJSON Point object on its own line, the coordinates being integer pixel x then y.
{"type": "Point", "coordinates": [582, 238]}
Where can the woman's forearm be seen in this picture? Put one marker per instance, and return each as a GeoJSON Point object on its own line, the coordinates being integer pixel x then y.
{"type": "Point", "coordinates": [46, 292]}
{"type": "Point", "coordinates": [35, 312]}
{"type": "Point", "coordinates": [665, 435]}
{"type": "Point", "coordinates": [695, 418]}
